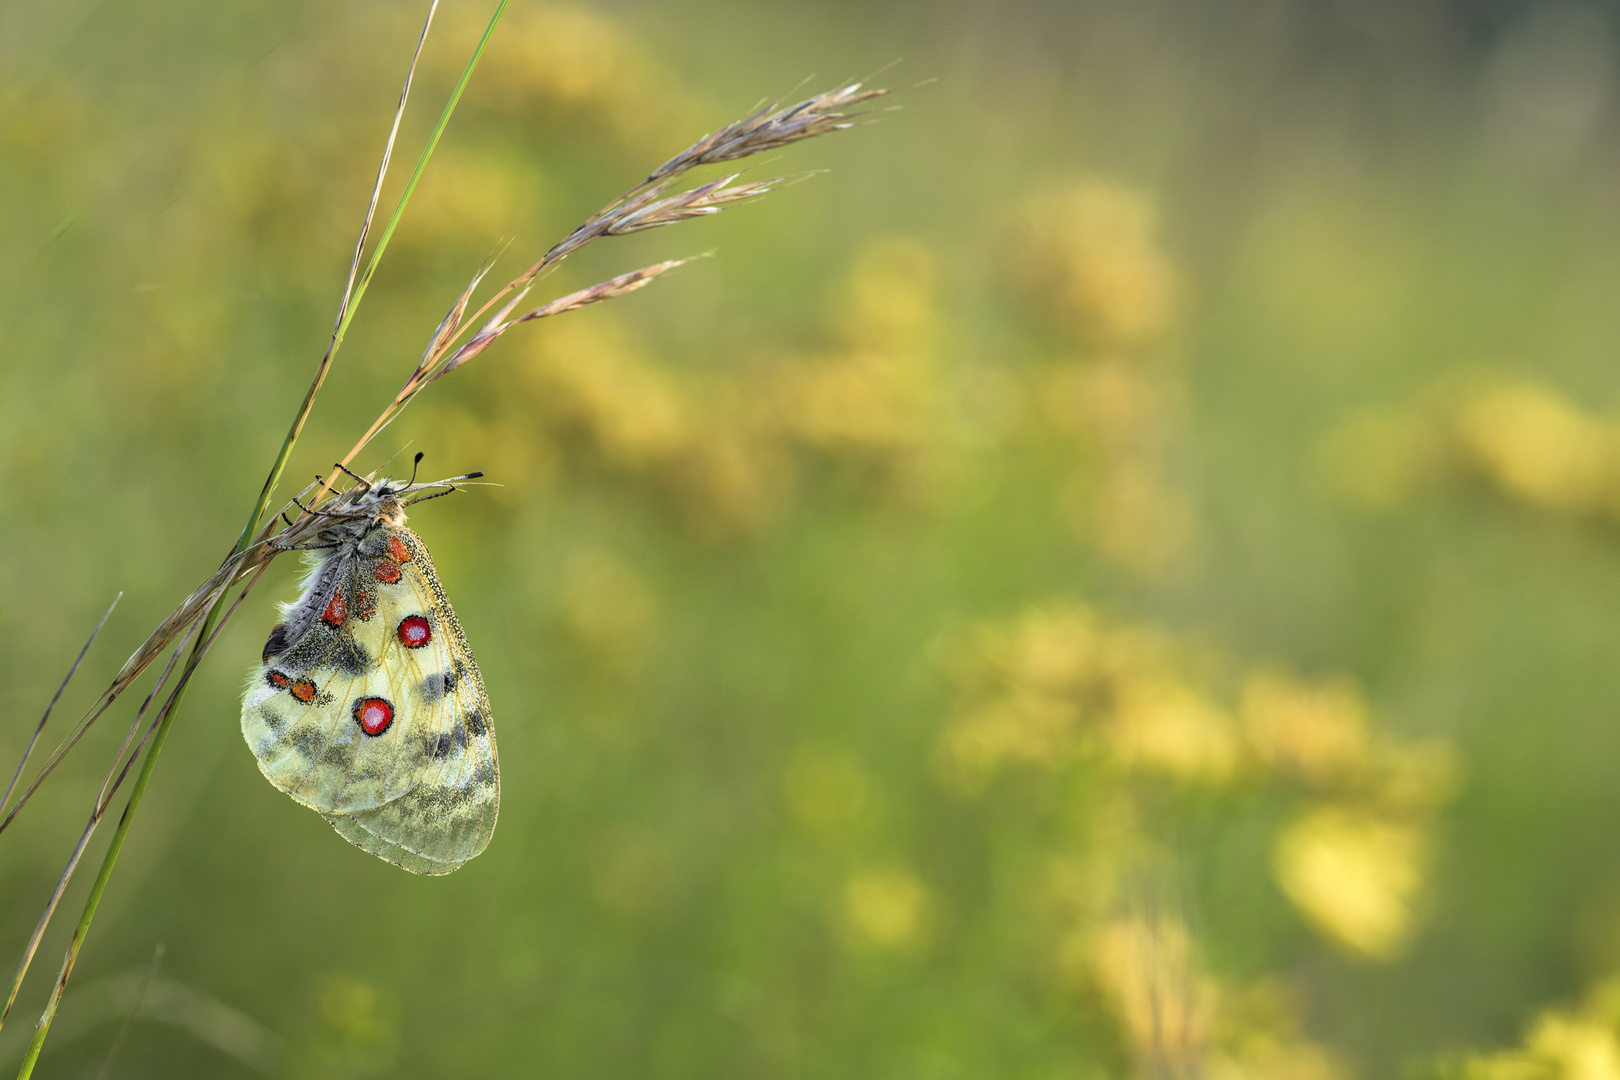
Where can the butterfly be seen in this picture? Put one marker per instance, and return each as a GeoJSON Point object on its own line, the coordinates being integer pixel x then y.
{"type": "Point", "coordinates": [368, 705]}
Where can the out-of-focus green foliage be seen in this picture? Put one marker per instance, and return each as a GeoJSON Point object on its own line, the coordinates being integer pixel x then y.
{"type": "Point", "coordinates": [1117, 579]}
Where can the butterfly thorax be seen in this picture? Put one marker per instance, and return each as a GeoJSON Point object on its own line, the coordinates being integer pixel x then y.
{"type": "Point", "coordinates": [378, 508]}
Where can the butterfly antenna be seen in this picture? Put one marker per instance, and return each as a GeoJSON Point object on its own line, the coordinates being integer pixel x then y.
{"type": "Point", "coordinates": [414, 466]}
{"type": "Point", "coordinates": [435, 495]}
{"type": "Point", "coordinates": [450, 484]}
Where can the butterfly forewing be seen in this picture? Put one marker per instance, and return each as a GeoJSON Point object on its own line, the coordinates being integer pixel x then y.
{"type": "Point", "coordinates": [370, 708]}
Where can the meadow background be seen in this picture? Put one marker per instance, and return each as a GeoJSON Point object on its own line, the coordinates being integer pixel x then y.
{"type": "Point", "coordinates": [1118, 578]}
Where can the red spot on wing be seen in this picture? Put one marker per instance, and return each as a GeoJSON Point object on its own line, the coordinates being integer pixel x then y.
{"type": "Point", "coordinates": [277, 680]}
{"type": "Point", "coordinates": [337, 610]}
{"type": "Point", "coordinates": [304, 691]}
{"type": "Point", "coordinates": [414, 632]}
{"type": "Point", "coordinates": [385, 570]}
{"type": "Point", "coordinates": [397, 548]}
{"type": "Point", "coordinates": [365, 603]}
{"type": "Point", "coordinates": [373, 714]}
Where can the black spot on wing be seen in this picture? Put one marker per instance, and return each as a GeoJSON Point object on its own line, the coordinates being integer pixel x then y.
{"type": "Point", "coordinates": [276, 642]}
{"type": "Point", "coordinates": [437, 685]}
{"type": "Point", "coordinates": [485, 773]}
{"type": "Point", "coordinates": [475, 724]}
{"type": "Point", "coordinates": [461, 735]}
{"type": "Point", "coordinates": [272, 719]}
{"type": "Point", "coordinates": [309, 649]}
{"type": "Point", "coordinates": [348, 657]}
{"type": "Point", "coordinates": [309, 743]}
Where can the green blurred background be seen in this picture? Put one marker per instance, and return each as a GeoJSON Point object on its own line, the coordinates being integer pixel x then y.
{"type": "Point", "coordinates": [1117, 579]}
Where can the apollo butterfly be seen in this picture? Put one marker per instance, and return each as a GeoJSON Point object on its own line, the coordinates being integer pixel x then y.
{"type": "Point", "coordinates": [368, 706]}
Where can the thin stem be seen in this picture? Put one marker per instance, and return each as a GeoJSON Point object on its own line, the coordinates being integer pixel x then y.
{"type": "Point", "coordinates": [129, 1017]}
{"type": "Point", "coordinates": [29, 749]}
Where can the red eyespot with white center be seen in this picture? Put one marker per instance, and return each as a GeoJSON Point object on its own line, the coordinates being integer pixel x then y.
{"type": "Point", "coordinates": [414, 632]}
{"type": "Point", "coordinates": [373, 714]}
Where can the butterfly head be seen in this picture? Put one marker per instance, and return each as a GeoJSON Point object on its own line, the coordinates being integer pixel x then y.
{"type": "Point", "coordinates": [382, 504]}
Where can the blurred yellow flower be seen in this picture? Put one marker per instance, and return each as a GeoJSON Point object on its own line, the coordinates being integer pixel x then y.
{"type": "Point", "coordinates": [1577, 1044]}
{"type": "Point", "coordinates": [1117, 404]}
{"type": "Point", "coordinates": [1294, 1061]}
{"type": "Point", "coordinates": [873, 398]}
{"type": "Point", "coordinates": [886, 907]}
{"type": "Point", "coordinates": [1318, 732]}
{"type": "Point", "coordinates": [1414, 777]}
{"type": "Point", "coordinates": [1138, 520]}
{"type": "Point", "coordinates": [889, 300]}
{"type": "Point", "coordinates": [1536, 446]}
{"type": "Point", "coordinates": [1086, 258]}
{"type": "Point", "coordinates": [1576, 1049]}
{"type": "Point", "coordinates": [1147, 971]}
{"type": "Point", "coordinates": [1166, 727]}
{"type": "Point", "coordinates": [474, 194]}
{"type": "Point", "coordinates": [1026, 729]}
{"type": "Point", "coordinates": [1354, 876]}
{"type": "Point", "coordinates": [573, 63]}
{"type": "Point", "coordinates": [1056, 682]}
{"type": "Point", "coordinates": [860, 403]}
{"type": "Point", "coordinates": [587, 380]}
{"type": "Point", "coordinates": [1050, 651]}
{"type": "Point", "coordinates": [1258, 1038]}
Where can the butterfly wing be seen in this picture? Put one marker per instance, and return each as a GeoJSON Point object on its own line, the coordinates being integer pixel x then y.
{"type": "Point", "coordinates": [375, 714]}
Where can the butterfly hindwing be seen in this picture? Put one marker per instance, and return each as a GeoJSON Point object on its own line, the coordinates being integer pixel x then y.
{"type": "Point", "coordinates": [370, 708]}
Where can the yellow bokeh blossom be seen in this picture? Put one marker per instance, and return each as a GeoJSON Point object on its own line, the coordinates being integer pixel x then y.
{"type": "Point", "coordinates": [1355, 876]}
{"type": "Point", "coordinates": [1087, 259]}
{"type": "Point", "coordinates": [872, 397]}
{"type": "Point", "coordinates": [1138, 520]}
{"type": "Point", "coordinates": [1577, 1044]}
{"type": "Point", "coordinates": [1059, 682]}
{"type": "Point", "coordinates": [1536, 446]}
{"type": "Point", "coordinates": [569, 62]}
{"type": "Point", "coordinates": [590, 384]}
{"type": "Point", "coordinates": [1317, 732]}
{"type": "Point", "coordinates": [886, 907]}
{"type": "Point", "coordinates": [1164, 726]}
{"type": "Point", "coordinates": [1148, 973]}
{"type": "Point", "coordinates": [1119, 405]}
